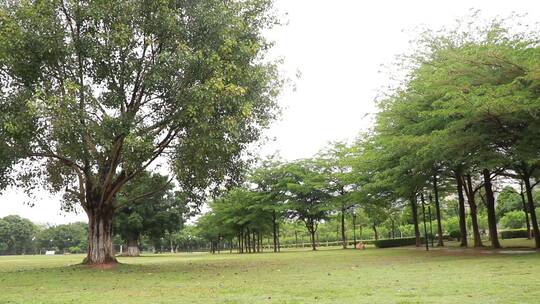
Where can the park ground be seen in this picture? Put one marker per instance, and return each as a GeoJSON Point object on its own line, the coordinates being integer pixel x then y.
{"type": "Point", "coordinates": [331, 275]}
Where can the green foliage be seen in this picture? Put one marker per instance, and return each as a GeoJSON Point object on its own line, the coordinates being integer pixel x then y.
{"type": "Point", "coordinates": [93, 92]}
{"type": "Point", "coordinates": [507, 201]}
{"type": "Point", "coordinates": [64, 238]}
{"type": "Point", "coordinates": [513, 220]}
{"type": "Point", "coordinates": [16, 235]}
{"type": "Point", "coordinates": [156, 215]}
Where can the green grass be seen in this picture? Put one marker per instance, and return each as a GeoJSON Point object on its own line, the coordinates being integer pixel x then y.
{"type": "Point", "coordinates": [398, 275]}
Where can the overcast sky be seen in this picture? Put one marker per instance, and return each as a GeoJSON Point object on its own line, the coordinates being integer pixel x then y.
{"type": "Point", "coordinates": [338, 47]}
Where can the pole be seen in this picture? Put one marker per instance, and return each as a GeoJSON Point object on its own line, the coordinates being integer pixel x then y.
{"type": "Point", "coordinates": [424, 217]}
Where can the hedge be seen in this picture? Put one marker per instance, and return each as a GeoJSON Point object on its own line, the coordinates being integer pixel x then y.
{"type": "Point", "coordinates": [514, 233]}
{"type": "Point", "coordinates": [398, 242]}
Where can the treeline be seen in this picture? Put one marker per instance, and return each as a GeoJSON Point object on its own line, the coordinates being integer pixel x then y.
{"type": "Point", "coordinates": [20, 236]}
{"type": "Point", "coordinates": [463, 124]}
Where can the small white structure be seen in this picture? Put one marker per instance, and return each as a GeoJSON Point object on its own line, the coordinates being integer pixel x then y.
{"type": "Point", "coordinates": [49, 252]}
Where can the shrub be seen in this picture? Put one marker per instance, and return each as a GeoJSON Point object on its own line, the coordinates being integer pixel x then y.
{"type": "Point", "coordinates": [455, 234]}
{"type": "Point", "coordinates": [514, 233]}
{"type": "Point", "coordinates": [398, 242]}
{"type": "Point", "coordinates": [513, 220]}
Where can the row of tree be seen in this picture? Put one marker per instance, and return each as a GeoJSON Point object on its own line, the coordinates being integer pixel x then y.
{"type": "Point", "coordinates": [20, 236]}
{"type": "Point", "coordinates": [157, 215]}
{"type": "Point", "coordinates": [465, 120]}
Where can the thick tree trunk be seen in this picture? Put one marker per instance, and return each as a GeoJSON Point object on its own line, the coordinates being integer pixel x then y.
{"type": "Point", "coordinates": [414, 211]}
{"type": "Point", "coordinates": [438, 211]}
{"type": "Point", "coordinates": [375, 232]}
{"type": "Point", "coordinates": [530, 201]}
{"type": "Point", "coordinates": [474, 212]}
{"type": "Point", "coordinates": [100, 246]}
{"type": "Point", "coordinates": [343, 236]}
{"type": "Point", "coordinates": [461, 203]}
{"type": "Point", "coordinates": [490, 204]}
{"type": "Point", "coordinates": [133, 248]}
{"type": "Point", "coordinates": [527, 222]}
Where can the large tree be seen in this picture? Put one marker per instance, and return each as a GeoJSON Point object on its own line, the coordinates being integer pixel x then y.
{"type": "Point", "coordinates": [96, 91]}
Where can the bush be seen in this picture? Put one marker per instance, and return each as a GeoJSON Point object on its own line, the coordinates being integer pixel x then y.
{"type": "Point", "coordinates": [398, 242]}
{"type": "Point", "coordinates": [514, 233]}
{"type": "Point", "coordinates": [513, 220]}
{"type": "Point", "coordinates": [455, 234]}
{"type": "Point", "coordinates": [75, 249]}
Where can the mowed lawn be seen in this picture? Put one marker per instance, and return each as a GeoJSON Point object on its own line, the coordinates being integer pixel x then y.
{"type": "Point", "coordinates": [404, 275]}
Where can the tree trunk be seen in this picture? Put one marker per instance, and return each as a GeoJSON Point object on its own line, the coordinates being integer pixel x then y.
{"type": "Point", "coordinates": [462, 220]}
{"type": "Point", "coordinates": [313, 243]}
{"type": "Point", "coordinates": [343, 236]}
{"type": "Point", "coordinates": [274, 231]}
{"type": "Point", "coordinates": [248, 240]}
{"type": "Point", "coordinates": [375, 231]}
{"type": "Point", "coordinates": [490, 204]}
{"type": "Point", "coordinates": [278, 242]}
{"type": "Point", "coordinates": [414, 211]}
{"type": "Point", "coordinates": [526, 212]}
{"type": "Point", "coordinates": [474, 212]}
{"type": "Point", "coordinates": [100, 246]}
{"type": "Point", "coordinates": [530, 201]}
{"type": "Point", "coordinates": [133, 248]}
{"type": "Point", "coordinates": [438, 212]}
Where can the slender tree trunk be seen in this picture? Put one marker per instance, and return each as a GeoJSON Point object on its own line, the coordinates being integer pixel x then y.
{"type": "Point", "coordinates": [255, 241]}
{"type": "Point", "coordinates": [313, 242]}
{"type": "Point", "coordinates": [278, 242]}
{"type": "Point", "coordinates": [424, 220]}
{"type": "Point", "coordinates": [133, 248]}
{"type": "Point", "coordinates": [393, 228]}
{"type": "Point", "coordinates": [438, 211]}
{"type": "Point", "coordinates": [241, 240]}
{"type": "Point", "coordinates": [274, 227]}
{"type": "Point", "coordinates": [375, 231]}
{"type": "Point", "coordinates": [414, 211]}
{"type": "Point", "coordinates": [474, 212]}
{"type": "Point", "coordinates": [490, 204]}
{"type": "Point", "coordinates": [526, 212]}
{"type": "Point", "coordinates": [530, 201]}
{"type": "Point", "coordinates": [248, 240]}
{"type": "Point", "coordinates": [354, 228]}
{"type": "Point", "coordinates": [100, 246]}
{"type": "Point", "coordinates": [343, 236]}
{"type": "Point", "coordinates": [462, 220]}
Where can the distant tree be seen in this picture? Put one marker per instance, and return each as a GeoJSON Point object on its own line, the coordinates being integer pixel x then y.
{"type": "Point", "coordinates": [513, 219]}
{"type": "Point", "coordinates": [71, 238]}
{"type": "Point", "coordinates": [309, 196]}
{"type": "Point", "coordinates": [153, 215]}
{"type": "Point", "coordinates": [16, 234]}
{"type": "Point", "coordinates": [507, 201]}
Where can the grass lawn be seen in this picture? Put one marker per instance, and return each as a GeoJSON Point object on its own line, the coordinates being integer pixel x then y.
{"type": "Point", "coordinates": [404, 275]}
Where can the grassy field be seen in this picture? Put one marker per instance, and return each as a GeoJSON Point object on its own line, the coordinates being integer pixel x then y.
{"type": "Point", "coordinates": [404, 275]}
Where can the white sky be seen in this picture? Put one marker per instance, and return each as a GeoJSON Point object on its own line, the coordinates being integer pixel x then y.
{"type": "Point", "coordinates": [339, 47]}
